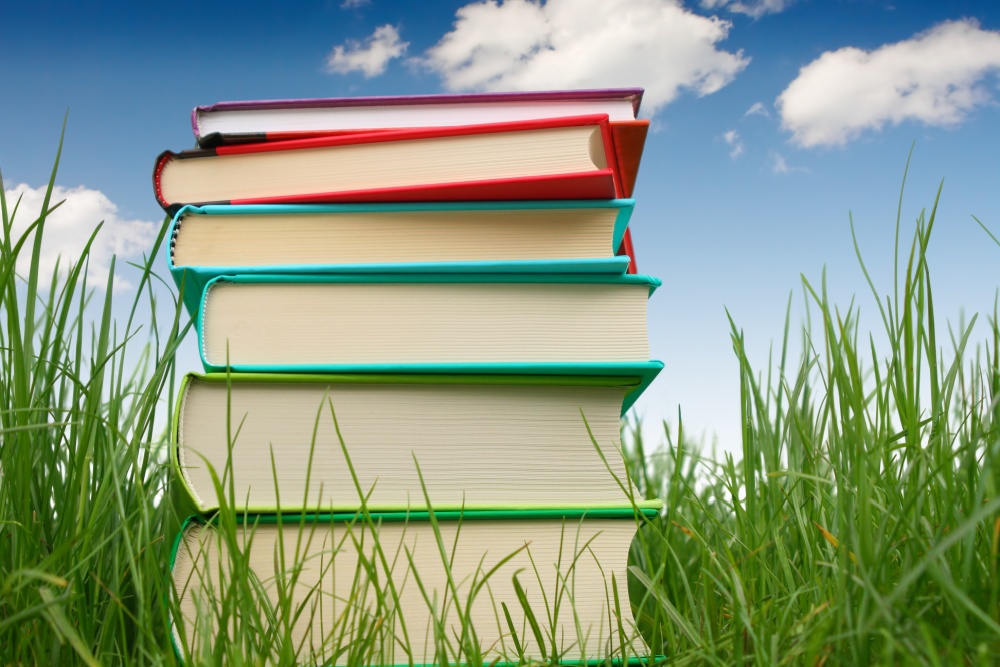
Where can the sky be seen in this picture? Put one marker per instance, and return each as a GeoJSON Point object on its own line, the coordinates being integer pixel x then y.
{"type": "Point", "coordinates": [775, 123]}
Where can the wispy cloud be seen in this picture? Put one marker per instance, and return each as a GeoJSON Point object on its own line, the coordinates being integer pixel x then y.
{"type": "Point", "coordinates": [936, 78]}
{"type": "Point", "coordinates": [371, 57]}
{"type": "Point", "coordinates": [752, 8]}
{"type": "Point", "coordinates": [534, 44]}
{"type": "Point", "coordinates": [779, 164]}
{"type": "Point", "coordinates": [69, 227]}
{"type": "Point", "coordinates": [735, 143]}
{"type": "Point", "coordinates": [758, 109]}
{"type": "Point", "coordinates": [354, 4]}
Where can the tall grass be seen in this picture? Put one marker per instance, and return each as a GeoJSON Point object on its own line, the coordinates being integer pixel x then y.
{"type": "Point", "coordinates": [81, 531]}
{"type": "Point", "coordinates": [861, 525]}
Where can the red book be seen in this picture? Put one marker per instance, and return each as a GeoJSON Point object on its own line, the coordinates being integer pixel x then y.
{"type": "Point", "coordinates": [560, 158]}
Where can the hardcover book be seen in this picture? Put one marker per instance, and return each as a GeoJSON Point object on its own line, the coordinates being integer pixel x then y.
{"type": "Point", "coordinates": [562, 158]}
{"type": "Point", "coordinates": [268, 120]}
{"type": "Point", "coordinates": [472, 442]}
{"type": "Point", "coordinates": [474, 237]}
{"type": "Point", "coordinates": [422, 322]}
{"type": "Point", "coordinates": [402, 584]}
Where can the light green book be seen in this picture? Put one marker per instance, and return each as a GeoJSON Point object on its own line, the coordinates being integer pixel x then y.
{"type": "Point", "coordinates": [287, 442]}
{"type": "Point", "coordinates": [379, 588]}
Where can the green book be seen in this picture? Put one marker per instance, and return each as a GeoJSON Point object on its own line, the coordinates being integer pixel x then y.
{"type": "Point", "coordinates": [381, 587]}
{"type": "Point", "coordinates": [294, 442]}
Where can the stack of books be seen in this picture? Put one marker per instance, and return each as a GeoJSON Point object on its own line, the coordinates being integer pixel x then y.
{"type": "Point", "coordinates": [421, 324]}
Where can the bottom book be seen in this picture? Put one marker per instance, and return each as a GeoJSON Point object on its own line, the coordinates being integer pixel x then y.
{"type": "Point", "coordinates": [413, 588]}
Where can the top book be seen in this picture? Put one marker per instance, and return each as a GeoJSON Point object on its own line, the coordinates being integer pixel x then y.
{"type": "Point", "coordinates": [267, 120]}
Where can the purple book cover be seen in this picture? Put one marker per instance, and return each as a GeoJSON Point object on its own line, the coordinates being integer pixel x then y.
{"type": "Point", "coordinates": [633, 95]}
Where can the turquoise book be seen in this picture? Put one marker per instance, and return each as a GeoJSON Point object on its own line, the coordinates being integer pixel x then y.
{"type": "Point", "coordinates": [423, 323]}
{"type": "Point", "coordinates": [437, 237]}
{"type": "Point", "coordinates": [406, 588]}
{"type": "Point", "coordinates": [300, 442]}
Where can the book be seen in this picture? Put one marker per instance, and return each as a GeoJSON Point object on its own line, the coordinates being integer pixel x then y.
{"type": "Point", "coordinates": [422, 322]}
{"type": "Point", "coordinates": [336, 584]}
{"type": "Point", "coordinates": [324, 442]}
{"type": "Point", "coordinates": [474, 237]}
{"type": "Point", "coordinates": [268, 120]}
{"type": "Point", "coordinates": [562, 158]}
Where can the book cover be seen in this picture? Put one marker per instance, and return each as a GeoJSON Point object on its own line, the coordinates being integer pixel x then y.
{"type": "Point", "coordinates": [454, 237]}
{"type": "Point", "coordinates": [448, 164]}
{"type": "Point", "coordinates": [629, 140]}
{"type": "Point", "coordinates": [268, 120]}
{"type": "Point", "coordinates": [422, 322]}
{"type": "Point", "coordinates": [394, 439]}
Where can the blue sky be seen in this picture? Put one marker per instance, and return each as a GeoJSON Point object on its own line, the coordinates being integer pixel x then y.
{"type": "Point", "coordinates": [774, 120]}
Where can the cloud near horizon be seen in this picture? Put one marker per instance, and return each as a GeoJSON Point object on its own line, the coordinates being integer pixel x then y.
{"type": "Point", "coordinates": [68, 228]}
{"type": "Point", "coordinates": [511, 45]}
{"type": "Point", "coordinates": [935, 77]}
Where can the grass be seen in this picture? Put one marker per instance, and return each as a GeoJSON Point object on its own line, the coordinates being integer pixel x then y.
{"type": "Point", "coordinates": [861, 525]}
{"type": "Point", "coordinates": [81, 531]}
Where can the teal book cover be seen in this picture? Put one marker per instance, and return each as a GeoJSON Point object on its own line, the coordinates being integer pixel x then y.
{"type": "Point", "coordinates": [427, 323]}
{"type": "Point", "coordinates": [574, 236]}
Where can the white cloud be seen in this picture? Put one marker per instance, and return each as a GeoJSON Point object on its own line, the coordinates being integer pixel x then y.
{"type": "Point", "coordinates": [735, 143]}
{"type": "Point", "coordinates": [752, 8]}
{"type": "Point", "coordinates": [370, 58]}
{"type": "Point", "coordinates": [69, 227]}
{"type": "Point", "coordinates": [354, 4]}
{"type": "Point", "coordinates": [936, 78]}
{"type": "Point", "coordinates": [758, 109]}
{"type": "Point", "coordinates": [537, 45]}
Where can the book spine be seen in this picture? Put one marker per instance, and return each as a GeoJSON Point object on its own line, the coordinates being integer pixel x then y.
{"type": "Point", "coordinates": [190, 280]}
{"type": "Point", "coordinates": [164, 159]}
{"type": "Point", "coordinates": [196, 124]}
{"type": "Point", "coordinates": [182, 497]}
{"type": "Point", "coordinates": [161, 162]}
